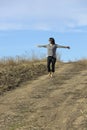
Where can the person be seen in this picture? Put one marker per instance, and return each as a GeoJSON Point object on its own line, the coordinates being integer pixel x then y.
{"type": "Point", "coordinates": [51, 58]}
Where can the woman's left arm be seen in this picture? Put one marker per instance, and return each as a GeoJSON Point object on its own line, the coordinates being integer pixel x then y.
{"type": "Point", "coordinates": [59, 46]}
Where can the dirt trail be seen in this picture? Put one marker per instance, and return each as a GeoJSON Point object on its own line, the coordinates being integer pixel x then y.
{"type": "Point", "coordinates": [59, 103]}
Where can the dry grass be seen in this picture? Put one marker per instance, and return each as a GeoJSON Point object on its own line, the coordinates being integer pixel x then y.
{"type": "Point", "coordinates": [14, 72]}
{"type": "Point", "coordinates": [80, 65]}
{"type": "Point", "coordinates": [46, 104]}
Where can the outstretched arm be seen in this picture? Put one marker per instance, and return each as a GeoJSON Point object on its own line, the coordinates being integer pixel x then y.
{"type": "Point", "coordinates": [59, 46]}
{"type": "Point", "coordinates": [45, 46]}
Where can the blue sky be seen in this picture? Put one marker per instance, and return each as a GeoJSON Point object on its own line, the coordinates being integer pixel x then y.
{"type": "Point", "coordinates": [26, 23]}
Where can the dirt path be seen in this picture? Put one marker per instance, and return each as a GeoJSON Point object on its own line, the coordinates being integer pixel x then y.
{"type": "Point", "coordinates": [47, 104]}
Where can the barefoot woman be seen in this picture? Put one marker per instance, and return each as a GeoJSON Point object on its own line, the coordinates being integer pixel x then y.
{"type": "Point", "coordinates": [51, 58]}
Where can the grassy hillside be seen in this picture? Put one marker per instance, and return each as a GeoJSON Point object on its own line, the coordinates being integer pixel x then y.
{"type": "Point", "coordinates": [13, 73]}
{"type": "Point", "coordinates": [58, 103]}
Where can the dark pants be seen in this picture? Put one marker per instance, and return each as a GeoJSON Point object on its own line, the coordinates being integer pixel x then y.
{"type": "Point", "coordinates": [51, 64]}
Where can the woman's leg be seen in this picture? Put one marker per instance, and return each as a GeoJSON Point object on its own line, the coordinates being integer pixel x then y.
{"type": "Point", "coordinates": [48, 64]}
{"type": "Point", "coordinates": [53, 64]}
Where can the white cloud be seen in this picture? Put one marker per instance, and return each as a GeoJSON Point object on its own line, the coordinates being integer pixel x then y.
{"type": "Point", "coordinates": [53, 15]}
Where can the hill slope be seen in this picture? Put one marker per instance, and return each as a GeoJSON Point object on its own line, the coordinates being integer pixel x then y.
{"type": "Point", "coordinates": [59, 103]}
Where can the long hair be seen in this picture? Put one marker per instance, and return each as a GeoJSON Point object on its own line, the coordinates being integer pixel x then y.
{"type": "Point", "coordinates": [52, 40]}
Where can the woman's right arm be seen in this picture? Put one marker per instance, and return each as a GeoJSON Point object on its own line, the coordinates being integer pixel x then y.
{"type": "Point", "coordinates": [45, 46]}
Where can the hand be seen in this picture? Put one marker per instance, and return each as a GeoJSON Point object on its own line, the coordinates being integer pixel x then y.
{"type": "Point", "coordinates": [68, 47]}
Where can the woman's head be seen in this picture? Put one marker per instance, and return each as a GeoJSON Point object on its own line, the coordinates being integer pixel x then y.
{"type": "Point", "coordinates": [52, 41]}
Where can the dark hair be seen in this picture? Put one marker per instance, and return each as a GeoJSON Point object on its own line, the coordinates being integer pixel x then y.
{"type": "Point", "coordinates": [52, 40]}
